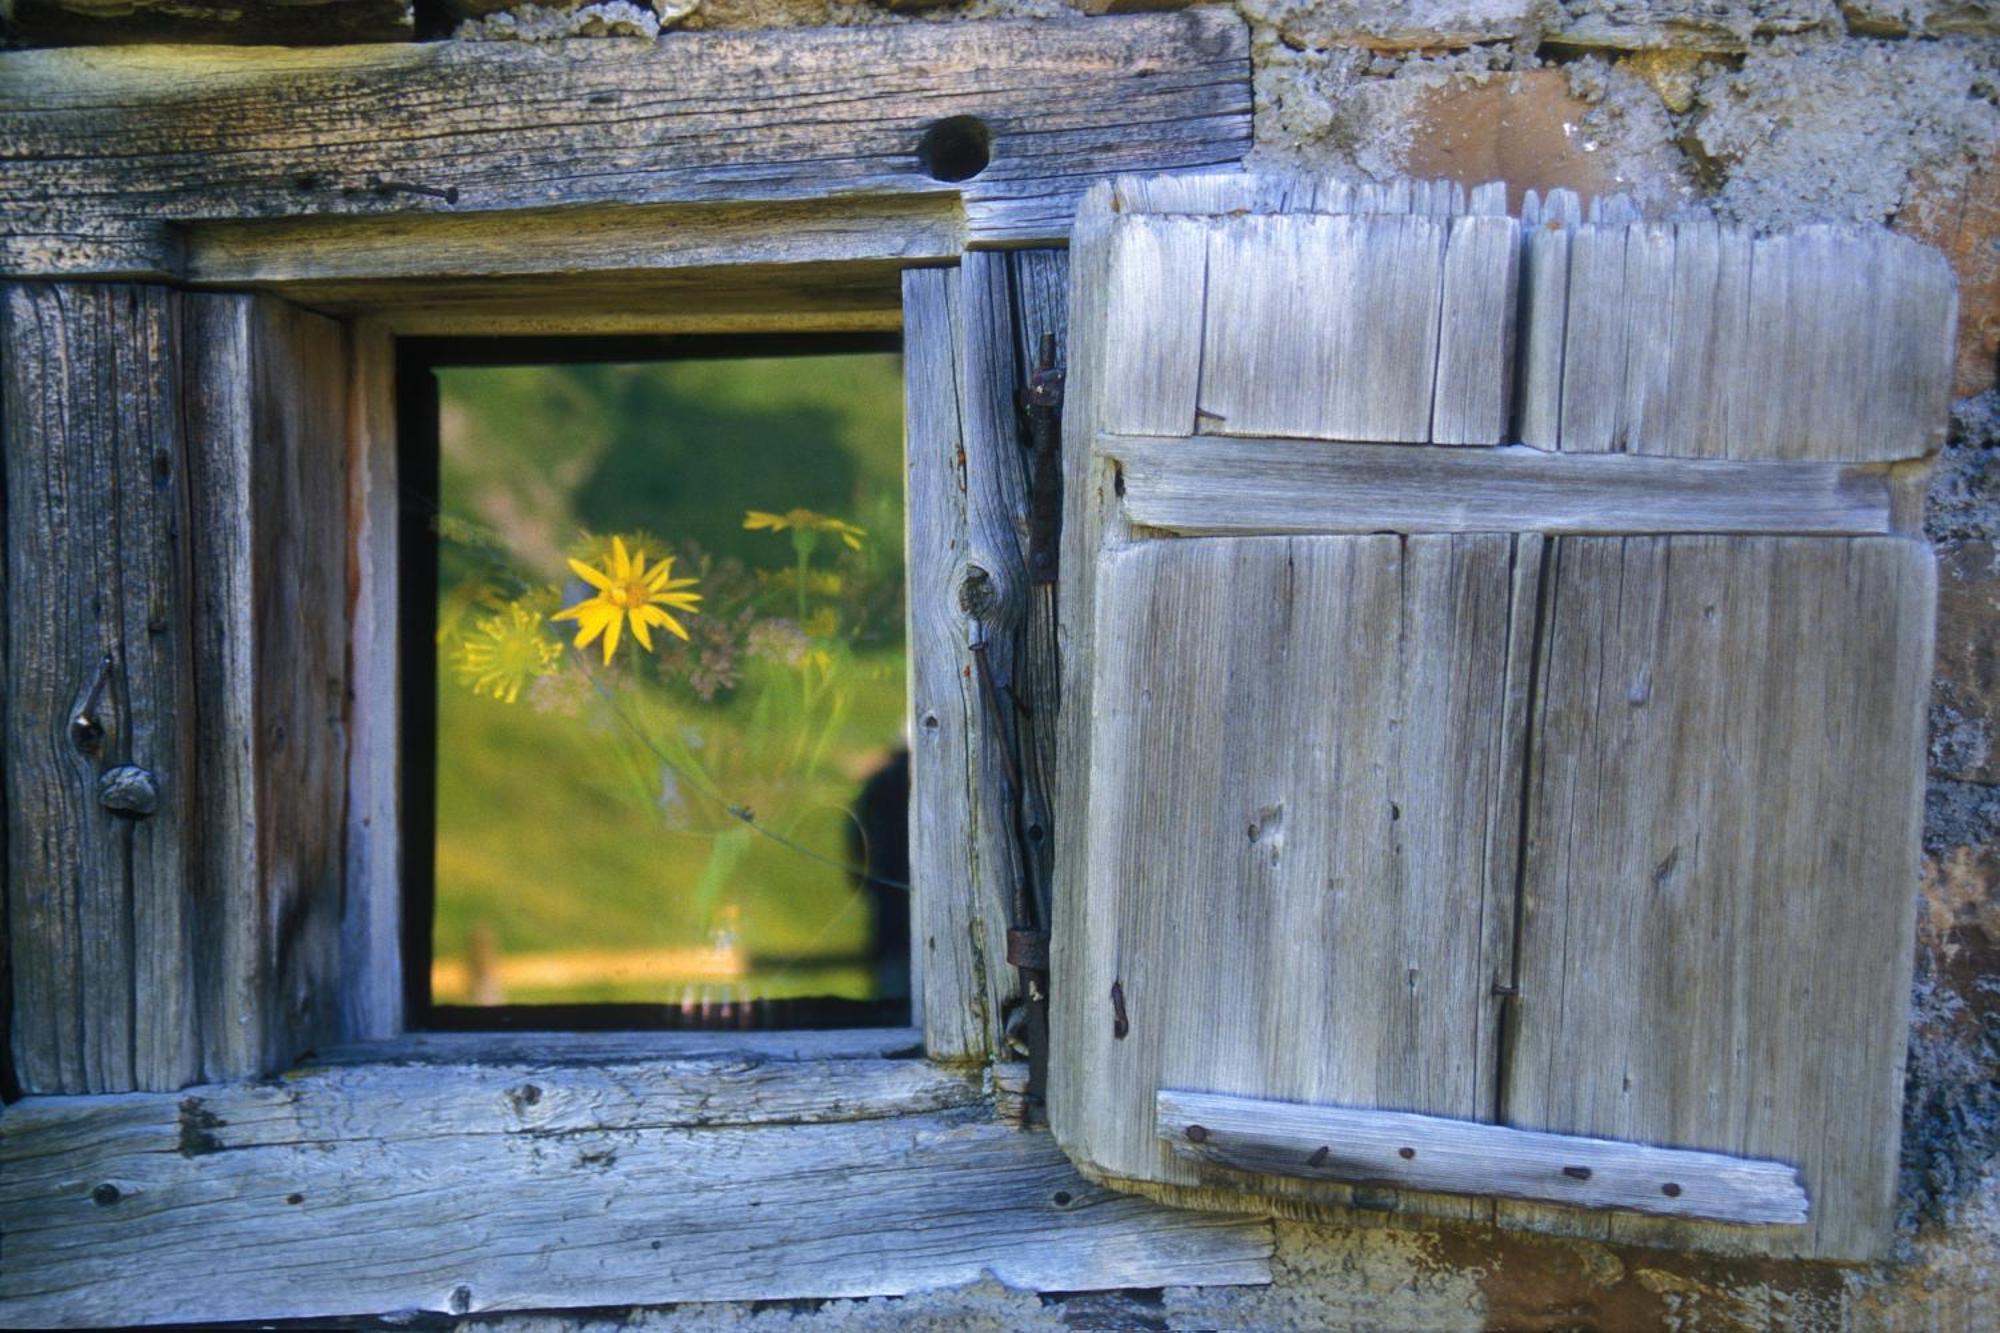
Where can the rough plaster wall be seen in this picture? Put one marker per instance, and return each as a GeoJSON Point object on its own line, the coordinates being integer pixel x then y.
{"type": "Point", "coordinates": [1768, 112]}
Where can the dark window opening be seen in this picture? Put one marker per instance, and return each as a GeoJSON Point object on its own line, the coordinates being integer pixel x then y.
{"type": "Point", "coordinates": [654, 683]}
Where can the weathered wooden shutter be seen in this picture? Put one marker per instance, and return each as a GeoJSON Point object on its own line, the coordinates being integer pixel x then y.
{"type": "Point", "coordinates": [176, 682]}
{"type": "Point", "coordinates": [1471, 799]}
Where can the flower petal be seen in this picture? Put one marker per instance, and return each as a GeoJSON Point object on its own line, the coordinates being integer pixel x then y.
{"type": "Point", "coordinates": [591, 576]}
{"type": "Point", "coordinates": [641, 633]}
{"type": "Point", "coordinates": [614, 625]}
{"type": "Point", "coordinates": [621, 562]}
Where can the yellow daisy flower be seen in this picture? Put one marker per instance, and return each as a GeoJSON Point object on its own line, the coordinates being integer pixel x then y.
{"type": "Point", "coordinates": [804, 520]}
{"type": "Point", "coordinates": [628, 591]}
{"type": "Point", "coordinates": [504, 653]}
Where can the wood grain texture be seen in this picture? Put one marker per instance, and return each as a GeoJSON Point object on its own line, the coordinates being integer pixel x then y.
{"type": "Point", "coordinates": [319, 258]}
{"type": "Point", "coordinates": [458, 1190]}
{"type": "Point", "coordinates": [267, 411]}
{"type": "Point", "coordinates": [1223, 486]}
{"type": "Point", "coordinates": [1323, 326]}
{"type": "Point", "coordinates": [1435, 1153]}
{"type": "Point", "coordinates": [959, 997]}
{"type": "Point", "coordinates": [278, 22]}
{"type": "Point", "coordinates": [1295, 780]}
{"type": "Point", "coordinates": [1545, 229]}
{"type": "Point", "coordinates": [371, 951]}
{"type": "Point", "coordinates": [1726, 797]}
{"type": "Point", "coordinates": [99, 608]}
{"type": "Point", "coordinates": [105, 150]}
{"type": "Point", "coordinates": [1698, 340]}
{"type": "Point", "coordinates": [1478, 313]}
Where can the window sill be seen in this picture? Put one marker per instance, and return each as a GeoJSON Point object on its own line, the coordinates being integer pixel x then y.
{"type": "Point", "coordinates": [462, 1172]}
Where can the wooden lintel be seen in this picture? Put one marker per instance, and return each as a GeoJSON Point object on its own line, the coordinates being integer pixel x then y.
{"type": "Point", "coordinates": [1219, 485]}
{"type": "Point", "coordinates": [106, 155]}
{"type": "Point", "coordinates": [1424, 1152]}
{"type": "Point", "coordinates": [461, 1189]}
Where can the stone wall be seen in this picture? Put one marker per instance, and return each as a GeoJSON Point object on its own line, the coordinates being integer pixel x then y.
{"type": "Point", "coordinates": [1766, 112]}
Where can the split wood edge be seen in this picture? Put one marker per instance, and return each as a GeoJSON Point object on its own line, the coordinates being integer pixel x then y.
{"type": "Point", "coordinates": [1406, 1151]}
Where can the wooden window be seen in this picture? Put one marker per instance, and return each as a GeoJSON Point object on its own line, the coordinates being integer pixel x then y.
{"type": "Point", "coordinates": [1488, 794]}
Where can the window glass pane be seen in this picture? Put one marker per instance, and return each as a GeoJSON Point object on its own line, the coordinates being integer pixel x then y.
{"type": "Point", "coordinates": [671, 687]}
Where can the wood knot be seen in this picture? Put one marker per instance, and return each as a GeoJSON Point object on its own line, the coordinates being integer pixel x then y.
{"type": "Point", "coordinates": [129, 791]}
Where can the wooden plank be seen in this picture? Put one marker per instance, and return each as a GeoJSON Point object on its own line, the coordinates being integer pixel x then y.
{"type": "Point", "coordinates": [267, 405]}
{"type": "Point", "coordinates": [1278, 815]}
{"type": "Point", "coordinates": [1322, 326]}
{"type": "Point", "coordinates": [317, 255]}
{"type": "Point", "coordinates": [958, 996]}
{"type": "Point", "coordinates": [595, 1048]}
{"type": "Point", "coordinates": [468, 1190]}
{"type": "Point", "coordinates": [1545, 227]}
{"type": "Point", "coordinates": [98, 604]}
{"type": "Point", "coordinates": [371, 952]}
{"type": "Point", "coordinates": [1697, 340]}
{"type": "Point", "coordinates": [108, 149]}
{"type": "Point", "coordinates": [254, 22]}
{"type": "Point", "coordinates": [991, 596]}
{"type": "Point", "coordinates": [1368, 1146]}
{"type": "Point", "coordinates": [1471, 402]}
{"type": "Point", "coordinates": [1718, 934]}
{"type": "Point", "coordinates": [1226, 486]}
{"type": "Point", "coordinates": [1153, 349]}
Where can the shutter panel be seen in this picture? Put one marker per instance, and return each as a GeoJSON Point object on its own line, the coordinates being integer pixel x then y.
{"type": "Point", "coordinates": [175, 615]}
{"type": "Point", "coordinates": [1442, 824]}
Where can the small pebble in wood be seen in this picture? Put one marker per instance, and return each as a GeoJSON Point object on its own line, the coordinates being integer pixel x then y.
{"type": "Point", "coordinates": [129, 790]}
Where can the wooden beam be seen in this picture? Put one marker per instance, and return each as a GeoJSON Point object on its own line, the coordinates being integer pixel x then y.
{"type": "Point", "coordinates": [1426, 1152]}
{"type": "Point", "coordinates": [460, 1189]}
{"type": "Point", "coordinates": [1216, 485]}
{"type": "Point", "coordinates": [108, 152]}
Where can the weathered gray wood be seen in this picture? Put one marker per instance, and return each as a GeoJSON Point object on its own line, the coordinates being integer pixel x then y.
{"type": "Point", "coordinates": [1323, 326]}
{"type": "Point", "coordinates": [246, 22]}
{"type": "Point", "coordinates": [953, 1003]}
{"type": "Point", "coordinates": [1153, 355]}
{"type": "Point", "coordinates": [606, 1048]}
{"type": "Point", "coordinates": [1367, 1146]}
{"type": "Point", "coordinates": [1294, 780]}
{"type": "Point", "coordinates": [1545, 229]}
{"type": "Point", "coordinates": [266, 407]}
{"type": "Point", "coordinates": [1237, 193]}
{"type": "Point", "coordinates": [1726, 800]}
{"type": "Point", "coordinates": [993, 591]}
{"type": "Point", "coordinates": [464, 1190]}
{"type": "Point", "coordinates": [371, 953]}
{"type": "Point", "coordinates": [99, 604]}
{"type": "Point", "coordinates": [99, 168]}
{"type": "Point", "coordinates": [331, 258]}
{"type": "Point", "coordinates": [1698, 340]}
{"type": "Point", "coordinates": [1224, 486]}
{"type": "Point", "coordinates": [1475, 362]}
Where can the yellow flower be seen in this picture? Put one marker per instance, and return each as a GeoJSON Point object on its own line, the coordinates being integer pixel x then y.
{"type": "Point", "coordinates": [506, 652]}
{"type": "Point", "coordinates": [804, 520]}
{"type": "Point", "coordinates": [627, 590]}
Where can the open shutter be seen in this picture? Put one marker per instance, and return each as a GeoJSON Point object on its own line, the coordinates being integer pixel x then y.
{"type": "Point", "coordinates": [176, 682]}
{"type": "Point", "coordinates": [1450, 819]}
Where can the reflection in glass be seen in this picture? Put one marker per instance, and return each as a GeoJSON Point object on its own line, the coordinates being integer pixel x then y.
{"type": "Point", "coordinates": [671, 686]}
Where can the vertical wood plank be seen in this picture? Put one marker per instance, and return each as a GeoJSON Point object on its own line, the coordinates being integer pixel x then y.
{"type": "Point", "coordinates": [97, 614]}
{"type": "Point", "coordinates": [1718, 913]}
{"type": "Point", "coordinates": [371, 987]}
{"type": "Point", "coordinates": [1475, 360]}
{"type": "Point", "coordinates": [1323, 326]}
{"type": "Point", "coordinates": [1545, 226]}
{"type": "Point", "coordinates": [992, 596]}
{"type": "Point", "coordinates": [1153, 346]}
{"type": "Point", "coordinates": [1593, 369]}
{"type": "Point", "coordinates": [1279, 816]}
{"type": "Point", "coordinates": [958, 1001]}
{"type": "Point", "coordinates": [267, 409]}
